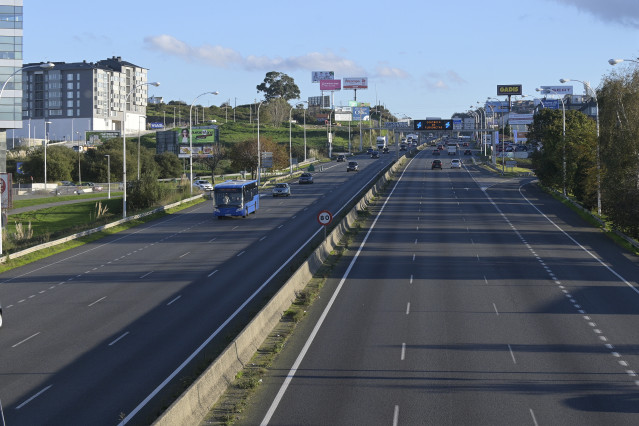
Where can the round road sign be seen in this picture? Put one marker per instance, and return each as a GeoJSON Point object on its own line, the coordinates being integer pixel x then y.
{"type": "Point", "coordinates": [324, 217]}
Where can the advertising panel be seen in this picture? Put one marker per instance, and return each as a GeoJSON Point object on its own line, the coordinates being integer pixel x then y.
{"type": "Point", "coordinates": [157, 125]}
{"type": "Point", "coordinates": [361, 113]}
{"type": "Point", "coordinates": [5, 187]}
{"type": "Point", "coordinates": [355, 82]}
{"type": "Point", "coordinates": [319, 101]}
{"type": "Point", "coordinates": [496, 106]}
{"type": "Point", "coordinates": [520, 119]}
{"type": "Point", "coordinates": [204, 137]}
{"type": "Point", "coordinates": [343, 116]}
{"type": "Point", "coordinates": [550, 103]}
{"type": "Point", "coordinates": [508, 89]}
{"type": "Point", "coordinates": [433, 124]}
{"type": "Point", "coordinates": [98, 137]}
{"type": "Point", "coordinates": [556, 90]}
{"type": "Point", "coordinates": [317, 76]}
{"type": "Point", "coordinates": [330, 84]}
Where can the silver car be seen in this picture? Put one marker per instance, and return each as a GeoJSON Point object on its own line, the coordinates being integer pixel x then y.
{"type": "Point", "coordinates": [282, 190]}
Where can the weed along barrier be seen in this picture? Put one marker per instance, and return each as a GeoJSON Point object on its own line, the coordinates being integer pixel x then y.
{"type": "Point", "coordinates": [196, 402]}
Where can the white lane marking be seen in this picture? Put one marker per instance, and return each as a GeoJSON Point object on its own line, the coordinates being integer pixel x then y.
{"type": "Point", "coordinates": [118, 339]}
{"type": "Point", "coordinates": [396, 415]}
{"type": "Point", "coordinates": [532, 414]}
{"type": "Point", "coordinates": [601, 262]}
{"type": "Point", "coordinates": [415, 240]}
{"type": "Point", "coordinates": [496, 311]}
{"type": "Point", "coordinates": [185, 254]}
{"type": "Point", "coordinates": [212, 273]}
{"type": "Point", "coordinates": [280, 226]}
{"type": "Point", "coordinates": [235, 227]}
{"type": "Point", "coordinates": [263, 238]}
{"type": "Point", "coordinates": [240, 253]}
{"type": "Point", "coordinates": [212, 239]}
{"type": "Point", "coordinates": [413, 257]}
{"type": "Point", "coordinates": [411, 279]}
{"type": "Point", "coordinates": [403, 351]}
{"type": "Point", "coordinates": [146, 275]}
{"type": "Point", "coordinates": [173, 300]}
{"type": "Point", "coordinates": [28, 338]}
{"type": "Point", "coordinates": [97, 301]}
{"type": "Point", "coordinates": [512, 354]}
{"type": "Point", "coordinates": [408, 308]}
{"type": "Point", "coordinates": [485, 280]}
{"type": "Point", "coordinates": [33, 397]}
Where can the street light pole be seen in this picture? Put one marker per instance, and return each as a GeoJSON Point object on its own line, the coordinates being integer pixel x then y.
{"type": "Point", "coordinates": [108, 174]}
{"type": "Point", "coordinates": [290, 140]}
{"type": "Point", "coordinates": [135, 86]}
{"type": "Point", "coordinates": [594, 95]}
{"type": "Point", "coordinates": [191, 136]}
{"type": "Point", "coordinates": [46, 141]}
{"type": "Point", "coordinates": [259, 153]}
{"type": "Point", "coordinates": [139, 135]}
{"type": "Point", "coordinates": [79, 170]}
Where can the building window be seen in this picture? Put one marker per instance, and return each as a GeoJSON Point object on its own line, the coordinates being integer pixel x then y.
{"type": "Point", "coordinates": [69, 86]}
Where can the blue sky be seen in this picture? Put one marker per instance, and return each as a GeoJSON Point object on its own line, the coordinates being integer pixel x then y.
{"type": "Point", "coordinates": [422, 58]}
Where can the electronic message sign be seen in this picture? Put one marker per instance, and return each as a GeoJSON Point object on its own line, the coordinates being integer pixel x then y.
{"type": "Point", "coordinates": [508, 89]}
{"type": "Point", "coordinates": [433, 124]}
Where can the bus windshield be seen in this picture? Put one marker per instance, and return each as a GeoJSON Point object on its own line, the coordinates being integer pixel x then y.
{"type": "Point", "coordinates": [228, 197]}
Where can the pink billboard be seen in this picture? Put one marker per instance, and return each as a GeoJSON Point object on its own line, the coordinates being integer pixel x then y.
{"type": "Point", "coordinates": [355, 82]}
{"type": "Point", "coordinates": [330, 84]}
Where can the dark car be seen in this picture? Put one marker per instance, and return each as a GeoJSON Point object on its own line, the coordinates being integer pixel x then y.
{"type": "Point", "coordinates": [370, 150]}
{"type": "Point", "coordinates": [468, 152]}
{"type": "Point", "coordinates": [306, 178]}
{"type": "Point", "coordinates": [402, 147]}
{"type": "Point", "coordinates": [437, 164]}
{"type": "Point", "coordinates": [352, 166]}
{"type": "Point", "coordinates": [435, 152]}
{"type": "Point", "coordinates": [341, 158]}
{"type": "Point", "coordinates": [375, 154]}
{"type": "Point", "coordinates": [385, 150]}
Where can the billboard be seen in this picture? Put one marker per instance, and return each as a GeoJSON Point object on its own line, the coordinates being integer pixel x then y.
{"type": "Point", "coordinates": [361, 113]}
{"type": "Point", "coordinates": [98, 137]}
{"type": "Point", "coordinates": [355, 82]}
{"type": "Point", "coordinates": [556, 90]}
{"type": "Point", "coordinates": [508, 89]}
{"type": "Point", "coordinates": [433, 124]}
{"type": "Point", "coordinates": [204, 137]}
{"type": "Point", "coordinates": [317, 76]}
{"type": "Point", "coordinates": [550, 103]}
{"type": "Point", "coordinates": [330, 84]}
{"type": "Point", "coordinates": [319, 101]}
{"type": "Point", "coordinates": [156, 125]}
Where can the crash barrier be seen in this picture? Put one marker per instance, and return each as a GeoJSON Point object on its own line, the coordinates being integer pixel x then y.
{"type": "Point", "coordinates": [194, 404]}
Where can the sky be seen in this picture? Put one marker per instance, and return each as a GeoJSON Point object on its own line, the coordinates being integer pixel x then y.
{"type": "Point", "coordinates": [422, 58]}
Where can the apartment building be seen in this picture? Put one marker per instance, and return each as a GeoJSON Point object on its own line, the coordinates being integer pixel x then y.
{"type": "Point", "coordinates": [10, 78]}
{"type": "Point", "coordinates": [71, 99]}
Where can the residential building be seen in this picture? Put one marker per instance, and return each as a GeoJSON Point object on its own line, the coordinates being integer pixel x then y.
{"type": "Point", "coordinates": [10, 62]}
{"type": "Point", "coordinates": [83, 97]}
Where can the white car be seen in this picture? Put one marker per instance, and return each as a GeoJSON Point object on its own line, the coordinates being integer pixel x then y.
{"type": "Point", "coordinates": [203, 184]}
{"type": "Point", "coordinates": [455, 164]}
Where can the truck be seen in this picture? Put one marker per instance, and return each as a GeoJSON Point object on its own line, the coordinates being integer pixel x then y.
{"type": "Point", "coordinates": [381, 142]}
{"type": "Point", "coordinates": [452, 149]}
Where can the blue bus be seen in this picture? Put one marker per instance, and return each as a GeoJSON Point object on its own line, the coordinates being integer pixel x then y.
{"type": "Point", "coordinates": [236, 198]}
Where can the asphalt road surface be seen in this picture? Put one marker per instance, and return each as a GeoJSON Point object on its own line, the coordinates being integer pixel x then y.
{"type": "Point", "coordinates": [101, 333]}
{"type": "Point", "coordinates": [473, 300]}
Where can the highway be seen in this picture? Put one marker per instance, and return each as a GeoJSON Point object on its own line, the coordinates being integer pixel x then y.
{"type": "Point", "coordinates": [472, 300]}
{"type": "Point", "coordinates": [98, 334]}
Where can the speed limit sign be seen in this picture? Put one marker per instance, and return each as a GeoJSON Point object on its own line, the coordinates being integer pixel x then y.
{"type": "Point", "coordinates": [324, 217]}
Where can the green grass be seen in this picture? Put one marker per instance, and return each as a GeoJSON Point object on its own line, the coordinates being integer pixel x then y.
{"type": "Point", "coordinates": [45, 200]}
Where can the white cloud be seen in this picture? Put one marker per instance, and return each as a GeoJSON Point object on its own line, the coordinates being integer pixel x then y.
{"type": "Point", "coordinates": [442, 81]}
{"type": "Point", "coordinates": [624, 12]}
{"type": "Point", "coordinates": [222, 57]}
{"type": "Point", "coordinates": [391, 72]}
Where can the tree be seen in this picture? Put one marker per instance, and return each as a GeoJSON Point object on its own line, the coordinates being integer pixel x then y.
{"type": "Point", "coordinates": [278, 85]}
{"type": "Point", "coordinates": [216, 154]}
{"type": "Point", "coordinates": [579, 148]}
{"type": "Point", "coordinates": [619, 147]}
